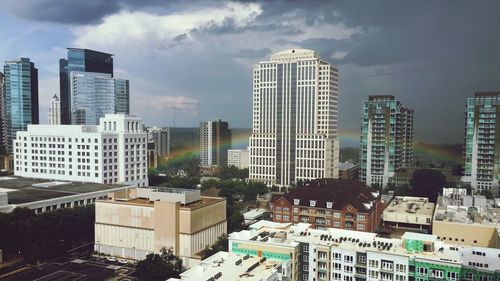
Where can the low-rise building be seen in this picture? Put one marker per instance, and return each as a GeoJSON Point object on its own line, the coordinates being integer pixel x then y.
{"type": "Point", "coordinates": [112, 152]}
{"type": "Point", "coordinates": [224, 266]}
{"type": "Point", "coordinates": [339, 254]}
{"type": "Point", "coordinates": [254, 215]}
{"type": "Point", "coordinates": [348, 170]}
{"type": "Point", "coordinates": [41, 195]}
{"type": "Point", "coordinates": [133, 223]}
{"type": "Point", "coordinates": [238, 158]}
{"type": "Point", "coordinates": [327, 203]}
{"type": "Point", "coordinates": [466, 220]}
{"type": "Point", "coordinates": [409, 213]}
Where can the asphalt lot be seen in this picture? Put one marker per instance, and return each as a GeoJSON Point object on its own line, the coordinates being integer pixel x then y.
{"type": "Point", "coordinates": [81, 269]}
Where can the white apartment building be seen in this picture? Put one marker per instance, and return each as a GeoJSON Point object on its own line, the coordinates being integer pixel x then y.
{"type": "Point", "coordinates": [238, 158]}
{"type": "Point", "coordinates": [346, 255]}
{"type": "Point", "coordinates": [55, 111]}
{"type": "Point", "coordinates": [295, 124]}
{"type": "Point", "coordinates": [112, 152]}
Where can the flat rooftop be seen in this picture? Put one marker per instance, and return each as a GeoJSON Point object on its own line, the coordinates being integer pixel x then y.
{"type": "Point", "coordinates": [347, 165]}
{"type": "Point", "coordinates": [265, 232]}
{"type": "Point", "coordinates": [26, 190]}
{"type": "Point", "coordinates": [468, 210]}
{"type": "Point", "coordinates": [232, 267]}
{"type": "Point", "coordinates": [410, 205]}
{"type": "Point", "coordinates": [146, 201]}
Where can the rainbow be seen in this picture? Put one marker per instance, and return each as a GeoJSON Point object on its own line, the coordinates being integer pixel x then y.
{"type": "Point", "coordinates": [348, 138]}
{"type": "Point", "coordinates": [439, 153]}
{"type": "Point", "coordinates": [239, 140]}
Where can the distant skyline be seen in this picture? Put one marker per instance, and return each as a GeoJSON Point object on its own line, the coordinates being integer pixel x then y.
{"type": "Point", "coordinates": [198, 55]}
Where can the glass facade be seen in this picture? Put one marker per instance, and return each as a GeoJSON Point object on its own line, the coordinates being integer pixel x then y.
{"type": "Point", "coordinates": [21, 98]}
{"type": "Point", "coordinates": [92, 95]}
{"type": "Point", "coordinates": [81, 60]}
{"type": "Point", "coordinates": [386, 139]}
{"type": "Point", "coordinates": [481, 165]}
{"type": "Point", "coordinates": [122, 96]}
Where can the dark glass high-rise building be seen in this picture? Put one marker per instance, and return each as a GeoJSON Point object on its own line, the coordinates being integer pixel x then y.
{"type": "Point", "coordinates": [82, 60]}
{"type": "Point", "coordinates": [21, 98]}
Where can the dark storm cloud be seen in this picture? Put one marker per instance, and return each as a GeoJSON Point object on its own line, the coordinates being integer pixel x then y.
{"type": "Point", "coordinates": [70, 11]}
{"type": "Point", "coordinates": [431, 54]}
{"type": "Point", "coordinates": [253, 54]}
{"type": "Point", "coordinates": [62, 11]}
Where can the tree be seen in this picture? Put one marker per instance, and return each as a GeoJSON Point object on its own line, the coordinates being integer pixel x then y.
{"type": "Point", "coordinates": [159, 266]}
{"type": "Point", "coordinates": [428, 183]}
{"type": "Point", "coordinates": [487, 193]}
{"type": "Point", "coordinates": [219, 245]}
{"type": "Point", "coordinates": [45, 236]}
{"type": "Point", "coordinates": [209, 183]}
{"type": "Point", "coordinates": [232, 172]}
{"type": "Point", "coordinates": [235, 221]}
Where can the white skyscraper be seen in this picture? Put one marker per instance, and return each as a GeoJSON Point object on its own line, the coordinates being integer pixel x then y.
{"type": "Point", "coordinates": [295, 132]}
{"type": "Point", "coordinates": [55, 111]}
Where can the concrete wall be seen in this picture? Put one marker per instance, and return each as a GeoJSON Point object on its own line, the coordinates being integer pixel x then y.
{"type": "Point", "coordinates": [471, 234]}
{"type": "Point", "coordinates": [194, 220]}
{"type": "Point", "coordinates": [166, 225]}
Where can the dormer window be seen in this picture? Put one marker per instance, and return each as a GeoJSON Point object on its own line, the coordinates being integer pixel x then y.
{"type": "Point", "coordinates": [296, 201]}
{"type": "Point", "coordinates": [329, 205]}
{"type": "Point", "coordinates": [312, 203]}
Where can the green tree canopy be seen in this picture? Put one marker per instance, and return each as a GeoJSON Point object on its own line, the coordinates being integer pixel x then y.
{"type": "Point", "coordinates": [159, 267]}
{"type": "Point", "coordinates": [45, 236]}
{"type": "Point", "coordinates": [428, 183]}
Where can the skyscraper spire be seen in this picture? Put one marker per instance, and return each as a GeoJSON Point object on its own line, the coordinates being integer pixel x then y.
{"type": "Point", "coordinates": [54, 115]}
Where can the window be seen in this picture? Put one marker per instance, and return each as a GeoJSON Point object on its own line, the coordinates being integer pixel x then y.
{"type": "Point", "coordinates": [436, 273]}
{"type": "Point", "coordinates": [361, 259]}
{"type": "Point", "coordinates": [337, 256]}
{"type": "Point", "coordinates": [401, 267]}
{"type": "Point", "coordinates": [468, 275]}
{"type": "Point", "coordinates": [387, 265]}
{"type": "Point", "coordinates": [452, 275]}
{"type": "Point", "coordinates": [422, 271]}
{"type": "Point", "coordinates": [361, 217]}
{"type": "Point", "coordinates": [373, 263]}
{"type": "Point", "coordinates": [312, 203]}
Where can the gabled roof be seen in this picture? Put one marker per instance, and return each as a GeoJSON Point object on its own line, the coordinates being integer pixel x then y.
{"type": "Point", "coordinates": [338, 191]}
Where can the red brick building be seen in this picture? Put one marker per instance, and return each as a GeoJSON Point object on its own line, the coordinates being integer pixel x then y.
{"type": "Point", "coordinates": [331, 203]}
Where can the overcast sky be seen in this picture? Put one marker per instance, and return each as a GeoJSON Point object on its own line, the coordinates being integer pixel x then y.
{"type": "Point", "coordinates": [198, 55]}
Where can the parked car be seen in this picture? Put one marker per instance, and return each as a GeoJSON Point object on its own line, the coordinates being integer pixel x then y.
{"type": "Point", "coordinates": [112, 259]}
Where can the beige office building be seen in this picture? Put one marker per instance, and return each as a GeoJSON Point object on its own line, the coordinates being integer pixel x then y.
{"type": "Point", "coordinates": [139, 221]}
{"type": "Point", "coordinates": [466, 220]}
{"type": "Point", "coordinates": [409, 213]}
